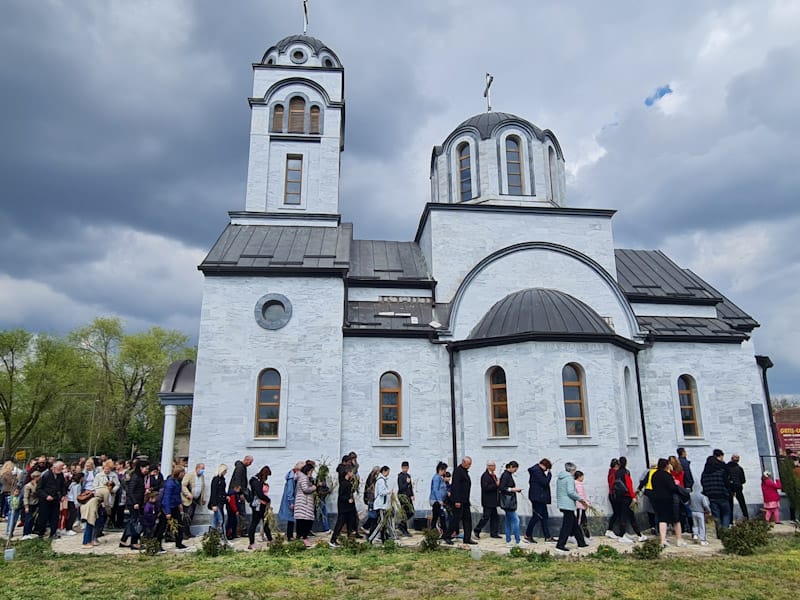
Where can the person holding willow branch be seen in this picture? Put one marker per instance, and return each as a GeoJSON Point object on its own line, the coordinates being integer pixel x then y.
{"type": "Point", "coordinates": [383, 505]}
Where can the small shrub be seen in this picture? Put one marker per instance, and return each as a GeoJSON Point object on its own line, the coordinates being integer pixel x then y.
{"type": "Point", "coordinates": [150, 546]}
{"type": "Point", "coordinates": [516, 552]}
{"type": "Point", "coordinates": [213, 544]}
{"type": "Point", "coordinates": [353, 546]}
{"type": "Point", "coordinates": [605, 551]}
{"type": "Point", "coordinates": [278, 545]}
{"type": "Point", "coordinates": [649, 550]}
{"type": "Point", "coordinates": [430, 540]}
{"type": "Point", "coordinates": [294, 547]}
{"type": "Point", "coordinates": [744, 537]}
{"type": "Point", "coordinates": [389, 546]}
{"type": "Point", "coordinates": [537, 558]}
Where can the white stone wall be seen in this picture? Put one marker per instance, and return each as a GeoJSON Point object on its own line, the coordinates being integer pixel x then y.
{"type": "Point", "coordinates": [645, 309]}
{"type": "Point", "coordinates": [375, 294]}
{"type": "Point", "coordinates": [536, 413]}
{"type": "Point", "coordinates": [728, 382]}
{"type": "Point", "coordinates": [536, 268]}
{"type": "Point", "coordinates": [233, 350]}
{"type": "Point", "coordinates": [461, 239]}
{"type": "Point", "coordinates": [426, 439]}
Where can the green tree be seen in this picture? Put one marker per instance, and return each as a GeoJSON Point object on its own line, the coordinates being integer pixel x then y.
{"type": "Point", "coordinates": [127, 373]}
{"type": "Point", "coordinates": [35, 371]}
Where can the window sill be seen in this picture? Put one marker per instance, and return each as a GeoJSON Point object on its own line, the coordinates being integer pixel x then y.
{"type": "Point", "coordinates": [578, 441]}
{"type": "Point", "coordinates": [391, 443]}
{"type": "Point", "coordinates": [296, 137]}
{"type": "Point", "coordinates": [266, 443]}
{"type": "Point", "coordinates": [694, 442]}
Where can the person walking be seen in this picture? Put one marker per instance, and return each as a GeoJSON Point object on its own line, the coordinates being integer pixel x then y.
{"type": "Point", "coordinates": [259, 488]}
{"type": "Point", "coordinates": [489, 501]}
{"type": "Point", "coordinates": [237, 486]}
{"type": "Point", "coordinates": [52, 487]}
{"type": "Point", "coordinates": [172, 505]}
{"type": "Point", "coordinates": [346, 508]}
{"type": "Point", "coordinates": [460, 489]}
{"type": "Point", "coordinates": [217, 500]}
{"type": "Point", "coordinates": [384, 526]}
{"type": "Point", "coordinates": [193, 494]}
{"type": "Point", "coordinates": [405, 488]}
{"type": "Point", "coordinates": [304, 507]}
{"type": "Point", "coordinates": [738, 480]}
{"type": "Point", "coordinates": [286, 510]}
{"type": "Point", "coordinates": [716, 482]}
{"type": "Point", "coordinates": [539, 495]}
{"type": "Point", "coordinates": [508, 491]}
{"type": "Point", "coordinates": [566, 500]}
{"type": "Point", "coordinates": [135, 500]}
{"type": "Point", "coordinates": [663, 498]}
{"type": "Point", "coordinates": [437, 498]}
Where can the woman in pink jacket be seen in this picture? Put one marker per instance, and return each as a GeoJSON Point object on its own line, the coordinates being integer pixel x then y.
{"type": "Point", "coordinates": [772, 497]}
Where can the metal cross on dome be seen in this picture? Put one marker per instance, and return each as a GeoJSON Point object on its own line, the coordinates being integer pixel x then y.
{"type": "Point", "coordinates": [305, 17]}
{"type": "Point", "coordinates": [487, 93]}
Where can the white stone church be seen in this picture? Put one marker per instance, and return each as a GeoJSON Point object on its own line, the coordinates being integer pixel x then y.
{"type": "Point", "coordinates": [510, 327]}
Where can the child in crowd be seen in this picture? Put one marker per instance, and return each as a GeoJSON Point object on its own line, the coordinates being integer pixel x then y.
{"type": "Point", "coordinates": [770, 489]}
{"type": "Point", "coordinates": [582, 504]}
{"type": "Point", "coordinates": [75, 488]}
{"type": "Point", "coordinates": [30, 503]}
{"type": "Point", "coordinates": [700, 507]}
{"type": "Point", "coordinates": [150, 514]}
{"type": "Point", "coordinates": [13, 508]}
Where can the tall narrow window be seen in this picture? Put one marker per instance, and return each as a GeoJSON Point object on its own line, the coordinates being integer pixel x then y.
{"type": "Point", "coordinates": [688, 405]}
{"type": "Point", "coordinates": [499, 402]}
{"type": "Point", "coordinates": [268, 403]}
{"type": "Point", "coordinates": [277, 118]}
{"type": "Point", "coordinates": [551, 164]}
{"type": "Point", "coordinates": [464, 172]}
{"type": "Point", "coordinates": [513, 166]}
{"type": "Point", "coordinates": [294, 179]}
{"type": "Point", "coordinates": [574, 408]}
{"type": "Point", "coordinates": [314, 120]}
{"type": "Point", "coordinates": [297, 115]}
{"type": "Point", "coordinates": [390, 408]}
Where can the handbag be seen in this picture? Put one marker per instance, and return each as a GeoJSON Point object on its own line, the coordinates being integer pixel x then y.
{"type": "Point", "coordinates": [508, 502]}
{"type": "Point", "coordinates": [84, 497]}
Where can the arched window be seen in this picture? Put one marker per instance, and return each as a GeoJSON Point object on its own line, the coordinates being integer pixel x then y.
{"type": "Point", "coordinates": [513, 166]}
{"type": "Point", "coordinates": [551, 164]}
{"type": "Point", "coordinates": [297, 115]}
{"type": "Point", "coordinates": [277, 118]}
{"type": "Point", "coordinates": [314, 120]}
{"type": "Point", "coordinates": [687, 398]}
{"type": "Point", "coordinates": [499, 402]}
{"type": "Point", "coordinates": [268, 403]}
{"type": "Point", "coordinates": [464, 172]}
{"type": "Point", "coordinates": [391, 405]}
{"type": "Point", "coordinates": [574, 407]}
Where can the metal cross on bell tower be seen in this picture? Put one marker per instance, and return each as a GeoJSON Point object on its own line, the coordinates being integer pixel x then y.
{"type": "Point", "coordinates": [487, 93]}
{"type": "Point", "coordinates": [305, 17]}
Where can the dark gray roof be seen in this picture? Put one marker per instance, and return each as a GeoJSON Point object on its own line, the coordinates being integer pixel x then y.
{"type": "Point", "coordinates": [390, 315]}
{"type": "Point", "coordinates": [278, 247]}
{"type": "Point", "coordinates": [486, 123]}
{"type": "Point", "coordinates": [179, 378]}
{"type": "Point", "coordinates": [314, 43]}
{"type": "Point", "coordinates": [650, 276]}
{"type": "Point", "coordinates": [690, 328]}
{"type": "Point", "coordinates": [539, 310]}
{"type": "Point", "coordinates": [646, 274]}
{"type": "Point", "coordinates": [387, 260]}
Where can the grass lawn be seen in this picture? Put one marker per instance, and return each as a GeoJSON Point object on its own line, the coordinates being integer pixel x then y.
{"type": "Point", "coordinates": [378, 574]}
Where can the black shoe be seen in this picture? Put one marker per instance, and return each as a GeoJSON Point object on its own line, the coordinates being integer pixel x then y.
{"type": "Point", "coordinates": [448, 541]}
{"type": "Point", "coordinates": [181, 547]}
{"type": "Point", "coordinates": [494, 535]}
{"type": "Point", "coordinates": [477, 533]}
{"type": "Point", "coordinates": [121, 545]}
{"type": "Point", "coordinates": [471, 542]}
{"type": "Point", "coordinates": [528, 539]}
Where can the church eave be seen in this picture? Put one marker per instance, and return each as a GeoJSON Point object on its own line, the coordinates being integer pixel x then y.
{"type": "Point", "coordinates": [699, 339]}
{"type": "Point", "coordinates": [400, 282]}
{"type": "Point", "coordinates": [519, 338]}
{"type": "Point", "coordinates": [387, 333]}
{"type": "Point", "coordinates": [288, 270]}
{"type": "Point", "coordinates": [671, 299]}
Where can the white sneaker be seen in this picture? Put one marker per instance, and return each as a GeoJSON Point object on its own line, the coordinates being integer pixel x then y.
{"type": "Point", "coordinates": [509, 544]}
{"type": "Point", "coordinates": [560, 551]}
{"type": "Point", "coordinates": [610, 534]}
{"type": "Point", "coordinates": [30, 536]}
{"type": "Point", "coordinates": [703, 543]}
{"type": "Point", "coordinates": [70, 532]}
{"type": "Point", "coordinates": [524, 542]}
{"type": "Point", "coordinates": [625, 539]}
{"type": "Point", "coordinates": [642, 538]}
{"type": "Point", "coordinates": [333, 545]}
{"type": "Point", "coordinates": [694, 537]}
{"type": "Point", "coordinates": [681, 543]}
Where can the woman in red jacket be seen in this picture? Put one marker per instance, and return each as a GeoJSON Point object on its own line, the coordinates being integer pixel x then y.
{"type": "Point", "coordinates": [772, 497]}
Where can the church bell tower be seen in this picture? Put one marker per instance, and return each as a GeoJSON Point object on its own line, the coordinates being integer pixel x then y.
{"type": "Point", "coordinates": [296, 130]}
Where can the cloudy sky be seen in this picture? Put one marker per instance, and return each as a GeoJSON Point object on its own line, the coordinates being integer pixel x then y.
{"type": "Point", "coordinates": [124, 129]}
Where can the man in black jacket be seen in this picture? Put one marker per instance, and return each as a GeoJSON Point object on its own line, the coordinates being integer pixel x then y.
{"type": "Point", "coordinates": [716, 482]}
{"type": "Point", "coordinates": [460, 488]}
{"type": "Point", "coordinates": [489, 501]}
{"type": "Point", "coordinates": [737, 484]}
{"type": "Point", "coordinates": [539, 495]}
{"type": "Point", "coordinates": [52, 487]}
{"type": "Point", "coordinates": [405, 487]}
{"type": "Point", "coordinates": [238, 485]}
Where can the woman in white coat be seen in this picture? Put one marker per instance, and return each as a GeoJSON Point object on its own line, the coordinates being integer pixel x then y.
{"type": "Point", "coordinates": [383, 499]}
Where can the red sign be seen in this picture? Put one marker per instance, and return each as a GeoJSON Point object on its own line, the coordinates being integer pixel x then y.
{"type": "Point", "coordinates": [788, 435]}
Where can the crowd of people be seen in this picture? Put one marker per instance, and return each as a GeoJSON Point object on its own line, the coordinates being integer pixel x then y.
{"type": "Point", "coordinates": [98, 495]}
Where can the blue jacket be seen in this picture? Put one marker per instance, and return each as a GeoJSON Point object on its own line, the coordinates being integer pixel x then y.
{"type": "Point", "coordinates": [438, 489]}
{"type": "Point", "coordinates": [540, 485]}
{"type": "Point", "coordinates": [286, 511]}
{"type": "Point", "coordinates": [172, 495]}
{"type": "Point", "coordinates": [565, 491]}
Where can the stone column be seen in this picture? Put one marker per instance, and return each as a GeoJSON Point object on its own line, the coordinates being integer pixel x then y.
{"type": "Point", "coordinates": [168, 441]}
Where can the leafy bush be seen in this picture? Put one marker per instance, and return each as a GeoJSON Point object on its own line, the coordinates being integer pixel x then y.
{"type": "Point", "coordinates": [213, 543]}
{"type": "Point", "coordinates": [430, 540]}
{"type": "Point", "coordinates": [295, 547]}
{"type": "Point", "coordinates": [389, 546]}
{"type": "Point", "coordinates": [516, 552]}
{"type": "Point", "coordinates": [605, 551]}
{"type": "Point", "coordinates": [539, 558]}
{"type": "Point", "coordinates": [649, 550]}
{"type": "Point", "coordinates": [744, 537]}
{"type": "Point", "coordinates": [278, 545]}
{"type": "Point", "coordinates": [353, 546]}
{"type": "Point", "coordinates": [150, 546]}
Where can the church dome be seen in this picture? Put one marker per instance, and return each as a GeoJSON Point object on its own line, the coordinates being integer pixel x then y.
{"type": "Point", "coordinates": [486, 123]}
{"type": "Point", "coordinates": [293, 48]}
{"type": "Point", "coordinates": [539, 310]}
{"type": "Point", "coordinates": [179, 378]}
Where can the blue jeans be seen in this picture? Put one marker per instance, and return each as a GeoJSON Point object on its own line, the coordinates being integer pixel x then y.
{"type": "Point", "coordinates": [13, 517]}
{"type": "Point", "coordinates": [512, 525]}
{"type": "Point", "coordinates": [218, 520]}
{"type": "Point", "coordinates": [324, 512]}
{"type": "Point", "coordinates": [30, 521]}
{"type": "Point", "coordinates": [721, 509]}
{"type": "Point", "coordinates": [88, 534]}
